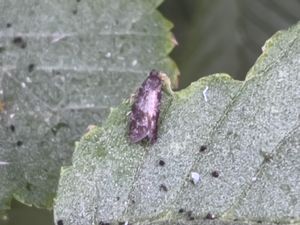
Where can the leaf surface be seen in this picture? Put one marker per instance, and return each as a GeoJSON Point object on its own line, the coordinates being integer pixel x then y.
{"type": "Point", "coordinates": [63, 65]}
{"type": "Point", "coordinates": [249, 167]}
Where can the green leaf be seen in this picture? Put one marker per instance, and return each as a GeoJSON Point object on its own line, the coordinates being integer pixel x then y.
{"type": "Point", "coordinates": [251, 130]}
{"type": "Point", "coordinates": [63, 65]}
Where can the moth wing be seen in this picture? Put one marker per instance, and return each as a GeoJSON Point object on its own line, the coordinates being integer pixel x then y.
{"type": "Point", "coordinates": [152, 134]}
{"type": "Point", "coordinates": [139, 128]}
{"type": "Point", "coordinates": [139, 134]}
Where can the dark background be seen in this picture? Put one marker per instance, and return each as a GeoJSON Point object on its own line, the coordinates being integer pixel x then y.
{"type": "Point", "coordinates": [224, 35]}
{"type": "Point", "coordinates": [214, 36]}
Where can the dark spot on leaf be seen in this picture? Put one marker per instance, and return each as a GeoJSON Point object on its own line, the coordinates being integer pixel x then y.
{"type": "Point", "coordinates": [19, 143]}
{"type": "Point", "coordinates": [31, 67]}
{"type": "Point", "coordinates": [203, 148]}
{"type": "Point", "coordinates": [60, 222]}
{"type": "Point", "coordinates": [190, 215]}
{"type": "Point", "coordinates": [161, 163]}
{"type": "Point", "coordinates": [12, 128]}
{"type": "Point", "coordinates": [8, 25]}
{"type": "Point", "coordinates": [28, 186]}
{"type": "Point", "coordinates": [259, 221]}
{"type": "Point", "coordinates": [267, 157]}
{"type": "Point", "coordinates": [132, 201]}
{"type": "Point", "coordinates": [56, 72]}
{"type": "Point", "coordinates": [19, 41]}
{"type": "Point", "coordinates": [215, 174]}
{"type": "Point", "coordinates": [2, 49]}
{"type": "Point", "coordinates": [191, 218]}
{"type": "Point", "coordinates": [181, 211]}
{"type": "Point", "coordinates": [77, 0]}
{"type": "Point", "coordinates": [118, 198]}
{"type": "Point", "coordinates": [210, 216]}
{"type": "Point", "coordinates": [103, 223]}
{"type": "Point", "coordinates": [74, 11]}
{"type": "Point", "coordinates": [163, 187]}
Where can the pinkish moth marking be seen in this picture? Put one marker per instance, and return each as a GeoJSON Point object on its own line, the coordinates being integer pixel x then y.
{"type": "Point", "coordinates": [145, 110]}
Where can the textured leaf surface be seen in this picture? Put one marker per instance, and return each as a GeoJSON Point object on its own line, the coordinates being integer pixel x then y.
{"type": "Point", "coordinates": [249, 171]}
{"type": "Point", "coordinates": [63, 65]}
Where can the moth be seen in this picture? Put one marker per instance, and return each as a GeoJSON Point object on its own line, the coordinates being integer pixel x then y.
{"type": "Point", "coordinates": [146, 108]}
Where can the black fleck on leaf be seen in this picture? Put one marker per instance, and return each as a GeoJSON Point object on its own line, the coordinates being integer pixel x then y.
{"type": "Point", "coordinates": [161, 163]}
{"type": "Point", "coordinates": [163, 187]}
{"type": "Point", "coordinates": [12, 128]}
{"type": "Point", "coordinates": [181, 210]}
{"type": "Point", "coordinates": [267, 157]}
{"type": "Point", "coordinates": [103, 223]}
{"type": "Point", "coordinates": [31, 67]}
{"type": "Point", "coordinates": [60, 222]}
{"type": "Point", "coordinates": [210, 216]}
{"type": "Point", "coordinates": [215, 174]}
{"type": "Point", "coordinates": [203, 148]}
{"type": "Point", "coordinates": [20, 42]}
{"type": "Point", "coordinates": [190, 215]}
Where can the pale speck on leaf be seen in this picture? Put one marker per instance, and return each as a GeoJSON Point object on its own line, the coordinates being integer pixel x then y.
{"type": "Point", "coordinates": [134, 62]}
{"type": "Point", "coordinates": [205, 93]}
{"type": "Point", "coordinates": [23, 85]}
{"type": "Point", "coordinates": [28, 80]}
{"type": "Point", "coordinates": [195, 177]}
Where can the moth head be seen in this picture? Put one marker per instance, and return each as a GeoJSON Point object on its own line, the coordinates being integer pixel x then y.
{"type": "Point", "coordinates": [166, 83]}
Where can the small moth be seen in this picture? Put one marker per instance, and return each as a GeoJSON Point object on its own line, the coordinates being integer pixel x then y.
{"type": "Point", "coordinates": [146, 108]}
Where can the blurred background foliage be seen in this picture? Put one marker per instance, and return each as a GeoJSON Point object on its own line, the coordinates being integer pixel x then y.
{"type": "Point", "coordinates": [213, 36]}
{"type": "Point", "coordinates": [224, 35]}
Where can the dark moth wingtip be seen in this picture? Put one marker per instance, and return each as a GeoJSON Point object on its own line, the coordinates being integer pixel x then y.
{"type": "Point", "coordinates": [136, 138]}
